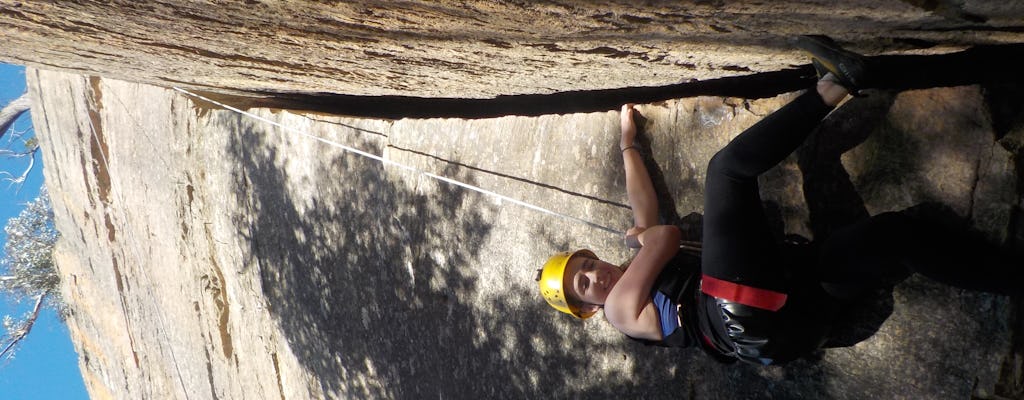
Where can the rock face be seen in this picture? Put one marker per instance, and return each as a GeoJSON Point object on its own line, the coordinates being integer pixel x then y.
{"type": "Point", "coordinates": [469, 49]}
{"type": "Point", "coordinates": [211, 255]}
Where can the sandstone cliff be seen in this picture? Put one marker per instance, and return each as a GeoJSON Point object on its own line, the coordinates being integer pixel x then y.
{"type": "Point", "coordinates": [210, 255]}
{"type": "Point", "coordinates": [469, 49]}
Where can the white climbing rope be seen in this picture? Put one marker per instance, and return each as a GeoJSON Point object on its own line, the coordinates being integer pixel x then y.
{"type": "Point", "coordinates": [692, 247]}
{"type": "Point", "coordinates": [402, 166]}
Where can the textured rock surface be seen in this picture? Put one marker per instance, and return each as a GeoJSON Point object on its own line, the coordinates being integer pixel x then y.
{"type": "Point", "coordinates": [208, 255]}
{"type": "Point", "coordinates": [469, 49]}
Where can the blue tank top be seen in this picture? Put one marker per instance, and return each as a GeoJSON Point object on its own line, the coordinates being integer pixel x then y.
{"type": "Point", "coordinates": [666, 313]}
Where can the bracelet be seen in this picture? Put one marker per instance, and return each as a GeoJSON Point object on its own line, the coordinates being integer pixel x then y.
{"type": "Point", "coordinates": [634, 147]}
{"type": "Point", "coordinates": [633, 242]}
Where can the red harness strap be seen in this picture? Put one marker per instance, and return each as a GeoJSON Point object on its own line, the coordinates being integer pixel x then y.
{"type": "Point", "coordinates": [747, 295]}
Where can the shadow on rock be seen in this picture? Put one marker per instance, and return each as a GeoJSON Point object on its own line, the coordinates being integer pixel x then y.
{"type": "Point", "coordinates": [834, 202]}
{"type": "Point", "coordinates": [831, 198]}
{"type": "Point", "coordinates": [377, 289]}
{"type": "Point", "coordinates": [377, 286]}
{"type": "Point", "coordinates": [381, 290]}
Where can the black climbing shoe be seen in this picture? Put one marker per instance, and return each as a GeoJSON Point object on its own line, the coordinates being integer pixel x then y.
{"type": "Point", "coordinates": [849, 68]}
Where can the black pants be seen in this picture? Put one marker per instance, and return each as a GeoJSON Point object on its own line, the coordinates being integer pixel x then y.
{"type": "Point", "coordinates": [738, 242]}
{"type": "Point", "coordinates": [739, 247]}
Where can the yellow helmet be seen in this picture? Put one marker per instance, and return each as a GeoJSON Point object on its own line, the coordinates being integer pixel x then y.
{"type": "Point", "coordinates": [551, 279]}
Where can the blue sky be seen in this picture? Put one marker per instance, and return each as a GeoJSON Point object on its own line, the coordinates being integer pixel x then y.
{"type": "Point", "coordinates": [46, 366]}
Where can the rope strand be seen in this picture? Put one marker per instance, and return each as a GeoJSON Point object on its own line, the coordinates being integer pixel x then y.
{"type": "Point", "coordinates": [402, 166]}
{"type": "Point", "coordinates": [693, 247]}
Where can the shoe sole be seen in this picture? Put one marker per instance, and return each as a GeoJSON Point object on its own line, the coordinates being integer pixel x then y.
{"type": "Point", "coordinates": [845, 65]}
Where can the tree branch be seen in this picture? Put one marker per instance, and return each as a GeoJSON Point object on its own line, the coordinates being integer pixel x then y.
{"type": "Point", "coordinates": [16, 154]}
{"type": "Point", "coordinates": [23, 331]}
{"type": "Point", "coordinates": [12, 111]}
{"type": "Point", "coordinates": [24, 175]}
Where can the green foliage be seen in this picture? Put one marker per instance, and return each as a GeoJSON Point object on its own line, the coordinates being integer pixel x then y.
{"type": "Point", "coordinates": [31, 143]}
{"type": "Point", "coordinates": [28, 263]}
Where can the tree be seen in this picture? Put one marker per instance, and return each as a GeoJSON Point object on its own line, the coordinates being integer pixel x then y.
{"type": "Point", "coordinates": [28, 269]}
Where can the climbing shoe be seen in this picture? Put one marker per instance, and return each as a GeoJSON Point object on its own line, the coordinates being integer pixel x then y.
{"type": "Point", "coordinates": [849, 68]}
